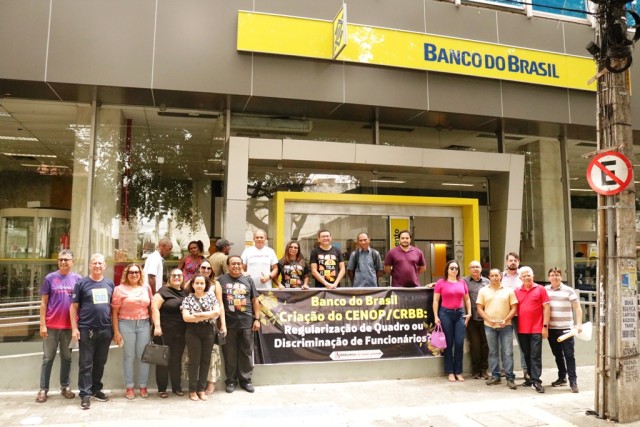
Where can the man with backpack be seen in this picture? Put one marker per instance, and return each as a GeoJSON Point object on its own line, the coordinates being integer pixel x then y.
{"type": "Point", "coordinates": [365, 264]}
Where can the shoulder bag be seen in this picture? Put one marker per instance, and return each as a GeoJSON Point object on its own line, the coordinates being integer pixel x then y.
{"type": "Point", "coordinates": [156, 354]}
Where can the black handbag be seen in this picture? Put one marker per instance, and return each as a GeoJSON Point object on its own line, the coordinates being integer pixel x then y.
{"type": "Point", "coordinates": [156, 354]}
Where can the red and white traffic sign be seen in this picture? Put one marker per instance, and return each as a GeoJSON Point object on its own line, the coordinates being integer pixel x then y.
{"type": "Point", "coordinates": [609, 173]}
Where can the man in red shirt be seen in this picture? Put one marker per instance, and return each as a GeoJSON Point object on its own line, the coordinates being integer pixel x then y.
{"type": "Point", "coordinates": [533, 325]}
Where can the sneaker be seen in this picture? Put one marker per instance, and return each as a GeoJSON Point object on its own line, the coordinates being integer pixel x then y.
{"type": "Point", "coordinates": [559, 382]}
{"type": "Point", "coordinates": [248, 387]}
{"type": "Point", "coordinates": [537, 387]}
{"type": "Point", "coordinates": [85, 402]}
{"type": "Point", "coordinates": [494, 381]}
{"type": "Point", "coordinates": [100, 396]}
{"type": "Point", "coordinates": [574, 388]}
{"type": "Point", "coordinates": [67, 393]}
{"type": "Point", "coordinates": [230, 388]}
{"type": "Point", "coordinates": [511, 384]}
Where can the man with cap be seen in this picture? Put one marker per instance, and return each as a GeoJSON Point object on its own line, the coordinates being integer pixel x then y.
{"type": "Point", "coordinates": [219, 259]}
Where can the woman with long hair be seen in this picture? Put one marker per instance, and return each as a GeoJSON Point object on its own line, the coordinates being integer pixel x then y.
{"type": "Point", "coordinates": [454, 294]}
{"type": "Point", "coordinates": [189, 263]}
{"type": "Point", "coordinates": [200, 309]}
{"type": "Point", "coordinates": [167, 318]}
{"type": "Point", "coordinates": [130, 311]}
{"type": "Point", "coordinates": [292, 269]}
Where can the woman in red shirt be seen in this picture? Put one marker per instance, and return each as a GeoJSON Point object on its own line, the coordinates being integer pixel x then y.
{"type": "Point", "coordinates": [451, 314]}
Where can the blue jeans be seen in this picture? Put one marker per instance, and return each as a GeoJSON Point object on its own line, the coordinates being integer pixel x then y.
{"type": "Point", "coordinates": [452, 322]}
{"type": "Point", "coordinates": [531, 346]}
{"type": "Point", "coordinates": [564, 355]}
{"type": "Point", "coordinates": [514, 325]}
{"type": "Point", "coordinates": [500, 342]}
{"type": "Point", "coordinates": [93, 353]}
{"type": "Point", "coordinates": [57, 338]}
{"type": "Point", "coordinates": [136, 334]}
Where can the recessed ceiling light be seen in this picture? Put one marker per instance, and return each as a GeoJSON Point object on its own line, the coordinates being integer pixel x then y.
{"type": "Point", "coordinates": [17, 138]}
{"type": "Point", "coordinates": [584, 190]}
{"type": "Point", "coordinates": [50, 156]}
{"type": "Point", "coordinates": [456, 184]}
{"type": "Point", "coordinates": [36, 165]}
{"type": "Point", "coordinates": [388, 181]}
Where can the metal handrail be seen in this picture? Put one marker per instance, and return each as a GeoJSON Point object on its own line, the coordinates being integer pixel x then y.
{"type": "Point", "coordinates": [12, 309]}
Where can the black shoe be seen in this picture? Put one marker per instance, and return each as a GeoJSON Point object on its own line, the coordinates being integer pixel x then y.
{"type": "Point", "coordinates": [527, 383]}
{"type": "Point", "coordinates": [559, 382]}
{"type": "Point", "coordinates": [85, 402]}
{"type": "Point", "coordinates": [248, 387]}
{"type": "Point", "coordinates": [512, 385]}
{"type": "Point", "coordinates": [526, 375]}
{"type": "Point", "coordinates": [230, 388]}
{"type": "Point", "coordinates": [537, 387]}
{"type": "Point", "coordinates": [494, 381]}
{"type": "Point", "coordinates": [574, 388]}
{"type": "Point", "coordinates": [100, 396]}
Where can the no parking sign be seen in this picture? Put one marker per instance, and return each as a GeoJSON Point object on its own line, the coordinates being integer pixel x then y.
{"type": "Point", "coordinates": [609, 173]}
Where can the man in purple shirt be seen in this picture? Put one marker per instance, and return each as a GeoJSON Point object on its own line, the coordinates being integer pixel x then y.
{"type": "Point", "coordinates": [405, 263]}
{"type": "Point", "coordinates": [55, 324]}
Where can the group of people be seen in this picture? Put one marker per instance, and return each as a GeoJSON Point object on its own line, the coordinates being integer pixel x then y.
{"type": "Point", "coordinates": [489, 312]}
{"type": "Point", "coordinates": [194, 308]}
{"type": "Point", "coordinates": [327, 264]}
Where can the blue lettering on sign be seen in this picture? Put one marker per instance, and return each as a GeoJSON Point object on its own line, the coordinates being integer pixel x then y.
{"type": "Point", "coordinates": [511, 63]}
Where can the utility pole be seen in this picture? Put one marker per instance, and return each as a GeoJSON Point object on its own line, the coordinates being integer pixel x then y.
{"type": "Point", "coordinates": [618, 353]}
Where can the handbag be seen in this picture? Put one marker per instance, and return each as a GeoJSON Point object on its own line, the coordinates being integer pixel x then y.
{"type": "Point", "coordinates": [438, 339]}
{"type": "Point", "coordinates": [156, 354]}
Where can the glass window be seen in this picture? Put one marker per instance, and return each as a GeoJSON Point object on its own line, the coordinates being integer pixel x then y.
{"type": "Point", "coordinates": [567, 8]}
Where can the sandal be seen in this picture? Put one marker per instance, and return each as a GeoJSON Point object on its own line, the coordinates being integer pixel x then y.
{"type": "Point", "coordinates": [211, 387]}
{"type": "Point", "coordinates": [144, 393]}
{"type": "Point", "coordinates": [459, 378]}
{"type": "Point", "coordinates": [67, 393]}
{"type": "Point", "coordinates": [452, 378]}
{"type": "Point", "coordinates": [163, 394]}
{"type": "Point", "coordinates": [193, 396]}
{"type": "Point", "coordinates": [42, 396]}
{"type": "Point", "coordinates": [178, 392]}
{"type": "Point", "coordinates": [202, 395]}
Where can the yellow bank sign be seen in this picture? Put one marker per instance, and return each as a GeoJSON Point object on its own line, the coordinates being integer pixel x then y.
{"type": "Point", "coordinates": [312, 38]}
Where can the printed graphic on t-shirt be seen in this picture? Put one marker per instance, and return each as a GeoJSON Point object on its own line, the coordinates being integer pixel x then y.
{"type": "Point", "coordinates": [236, 296]}
{"type": "Point", "coordinates": [327, 265]}
{"type": "Point", "coordinates": [292, 275]}
{"type": "Point", "coordinates": [100, 296]}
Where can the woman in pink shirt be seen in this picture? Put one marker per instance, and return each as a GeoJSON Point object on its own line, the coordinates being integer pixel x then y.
{"type": "Point", "coordinates": [130, 305]}
{"type": "Point", "coordinates": [451, 314]}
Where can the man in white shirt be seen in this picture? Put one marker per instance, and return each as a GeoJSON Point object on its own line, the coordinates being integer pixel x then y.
{"type": "Point", "coordinates": [154, 265]}
{"type": "Point", "coordinates": [260, 261]}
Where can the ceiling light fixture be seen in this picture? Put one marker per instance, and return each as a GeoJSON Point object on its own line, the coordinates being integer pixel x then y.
{"type": "Point", "coordinates": [584, 190]}
{"type": "Point", "coordinates": [17, 138]}
{"type": "Point", "coordinates": [49, 156]}
{"type": "Point", "coordinates": [35, 165]}
{"type": "Point", "coordinates": [388, 181]}
{"type": "Point", "coordinates": [456, 184]}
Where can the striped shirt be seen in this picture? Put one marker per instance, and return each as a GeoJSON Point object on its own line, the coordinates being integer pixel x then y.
{"type": "Point", "coordinates": [560, 303]}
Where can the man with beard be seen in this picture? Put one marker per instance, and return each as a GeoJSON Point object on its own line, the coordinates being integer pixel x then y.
{"type": "Point", "coordinates": [242, 315]}
{"type": "Point", "coordinates": [405, 263]}
{"type": "Point", "coordinates": [511, 279]}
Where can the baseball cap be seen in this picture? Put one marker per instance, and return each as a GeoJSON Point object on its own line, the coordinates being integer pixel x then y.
{"type": "Point", "coordinates": [221, 243]}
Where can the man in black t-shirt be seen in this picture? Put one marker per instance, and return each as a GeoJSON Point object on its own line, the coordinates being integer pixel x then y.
{"type": "Point", "coordinates": [242, 315]}
{"type": "Point", "coordinates": [91, 326]}
{"type": "Point", "coordinates": [327, 264]}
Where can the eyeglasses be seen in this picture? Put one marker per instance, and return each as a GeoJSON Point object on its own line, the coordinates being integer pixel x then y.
{"type": "Point", "coordinates": [133, 272]}
{"type": "Point", "coordinates": [454, 268]}
{"type": "Point", "coordinates": [176, 275]}
{"type": "Point", "coordinates": [205, 268]}
{"type": "Point", "coordinates": [65, 259]}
